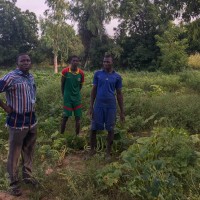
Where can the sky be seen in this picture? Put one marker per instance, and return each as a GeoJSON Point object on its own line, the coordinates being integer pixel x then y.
{"type": "Point", "coordinates": [39, 6]}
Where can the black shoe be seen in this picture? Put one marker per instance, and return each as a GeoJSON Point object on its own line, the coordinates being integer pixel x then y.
{"type": "Point", "coordinates": [32, 181]}
{"type": "Point", "coordinates": [15, 190]}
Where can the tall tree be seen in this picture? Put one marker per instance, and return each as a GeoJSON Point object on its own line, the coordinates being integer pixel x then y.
{"type": "Point", "coordinates": [173, 48]}
{"type": "Point", "coordinates": [184, 9]}
{"type": "Point", "coordinates": [91, 16]}
{"type": "Point", "coordinates": [54, 25]}
{"type": "Point", "coordinates": [18, 32]}
{"type": "Point", "coordinates": [141, 20]}
{"type": "Point", "coordinates": [193, 35]}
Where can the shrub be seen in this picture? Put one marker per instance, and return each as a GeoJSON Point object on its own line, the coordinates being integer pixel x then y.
{"type": "Point", "coordinates": [191, 80]}
{"type": "Point", "coordinates": [163, 166]}
{"type": "Point", "coordinates": [173, 49]}
{"type": "Point", "coordinates": [75, 142]}
{"type": "Point", "coordinates": [194, 61]}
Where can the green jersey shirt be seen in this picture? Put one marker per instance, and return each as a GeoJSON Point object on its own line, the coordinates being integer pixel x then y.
{"type": "Point", "coordinates": [72, 85]}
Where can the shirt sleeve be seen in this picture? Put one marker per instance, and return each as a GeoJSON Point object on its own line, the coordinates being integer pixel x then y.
{"type": "Point", "coordinates": [5, 83]}
{"type": "Point", "coordinates": [118, 84]}
{"type": "Point", "coordinates": [64, 71]}
{"type": "Point", "coordinates": [82, 76]}
{"type": "Point", "coordinates": [95, 80]}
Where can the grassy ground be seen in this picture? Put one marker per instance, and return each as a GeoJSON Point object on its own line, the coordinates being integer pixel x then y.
{"type": "Point", "coordinates": [150, 99]}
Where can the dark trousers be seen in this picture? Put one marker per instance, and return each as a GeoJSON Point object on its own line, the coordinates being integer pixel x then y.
{"type": "Point", "coordinates": [21, 142]}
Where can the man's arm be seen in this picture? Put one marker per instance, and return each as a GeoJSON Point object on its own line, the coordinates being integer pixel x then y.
{"type": "Point", "coordinates": [5, 82]}
{"type": "Point", "coordinates": [81, 85]}
{"type": "Point", "coordinates": [120, 101]}
{"type": "Point", "coordinates": [92, 99]}
{"type": "Point", "coordinates": [6, 108]}
{"type": "Point", "coordinates": [82, 78]}
{"type": "Point", "coordinates": [62, 85]}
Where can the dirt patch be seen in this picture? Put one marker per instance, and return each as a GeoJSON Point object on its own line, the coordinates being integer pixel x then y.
{"type": "Point", "coordinates": [74, 162]}
{"type": "Point", "coordinates": [6, 196]}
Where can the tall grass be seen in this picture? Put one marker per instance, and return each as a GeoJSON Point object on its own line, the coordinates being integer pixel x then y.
{"type": "Point", "coordinates": [194, 61]}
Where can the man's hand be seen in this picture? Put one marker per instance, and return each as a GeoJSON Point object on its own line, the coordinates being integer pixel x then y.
{"type": "Point", "coordinates": [122, 117]}
{"type": "Point", "coordinates": [7, 109]}
{"type": "Point", "coordinates": [91, 112]}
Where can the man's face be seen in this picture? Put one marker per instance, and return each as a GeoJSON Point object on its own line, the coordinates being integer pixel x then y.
{"type": "Point", "coordinates": [75, 62]}
{"type": "Point", "coordinates": [24, 63]}
{"type": "Point", "coordinates": [107, 63]}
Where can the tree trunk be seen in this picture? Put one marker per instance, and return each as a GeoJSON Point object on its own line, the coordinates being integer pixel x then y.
{"type": "Point", "coordinates": [55, 61]}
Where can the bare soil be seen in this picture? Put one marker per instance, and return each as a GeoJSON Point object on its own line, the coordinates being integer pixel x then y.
{"type": "Point", "coordinates": [74, 162]}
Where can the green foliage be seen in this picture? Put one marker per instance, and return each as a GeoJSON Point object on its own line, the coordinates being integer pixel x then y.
{"type": "Point", "coordinates": [91, 16]}
{"type": "Point", "coordinates": [75, 142]}
{"type": "Point", "coordinates": [163, 166]}
{"type": "Point", "coordinates": [151, 100]}
{"type": "Point", "coordinates": [191, 80]}
{"type": "Point", "coordinates": [193, 34]}
{"type": "Point", "coordinates": [18, 32]}
{"type": "Point", "coordinates": [173, 49]}
{"type": "Point", "coordinates": [142, 56]}
{"type": "Point", "coordinates": [194, 61]}
{"type": "Point", "coordinates": [56, 31]}
{"type": "Point", "coordinates": [98, 48]}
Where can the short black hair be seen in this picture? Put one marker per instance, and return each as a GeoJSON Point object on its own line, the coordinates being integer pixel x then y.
{"type": "Point", "coordinates": [74, 56]}
{"type": "Point", "coordinates": [108, 55]}
{"type": "Point", "coordinates": [21, 54]}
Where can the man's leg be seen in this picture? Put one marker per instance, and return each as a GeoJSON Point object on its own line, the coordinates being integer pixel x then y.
{"type": "Point", "coordinates": [93, 142]}
{"type": "Point", "coordinates": [67, 112]}
{"type": "Point", "coordinates": [110, 124]}
{"type": "Point", "coordinates": [96, 124]}
{"type": "Point", "coordinates": [78, 122]}
{"type": "Point", "coordinates": [110, 138]}
{"type": "Point", "coordinates": [77, 107]}
{"type": "Point", "coordinates": [63, 124]}
{"type": "Point", "coordinates": [27, 155]}
{"type": "Point", "coordinates": [16, 137]}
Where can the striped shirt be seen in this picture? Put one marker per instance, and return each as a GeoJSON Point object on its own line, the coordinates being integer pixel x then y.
{"type": "Point", "coordinates": [20, 96]}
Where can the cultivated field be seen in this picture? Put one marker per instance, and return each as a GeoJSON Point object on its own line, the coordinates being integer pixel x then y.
{"type": "Point", "coordinates": [156, 152]}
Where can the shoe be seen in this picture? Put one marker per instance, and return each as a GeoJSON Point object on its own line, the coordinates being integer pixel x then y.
{"type": "Point", "coordinates": [15, 190]}
{"type": "Point", "coordinates": [32, 181]}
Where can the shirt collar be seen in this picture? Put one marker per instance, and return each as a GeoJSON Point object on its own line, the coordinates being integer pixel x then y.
{"type": "Point", "coordinates": [113, 71]}
{"type": "Point", "coordinates": [77, 71]}
{"type": "Point", "coordinates": [19, 72]}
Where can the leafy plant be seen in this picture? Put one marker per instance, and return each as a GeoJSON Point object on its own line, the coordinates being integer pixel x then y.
{"type": "Point", "coordinates": [163, 166]}
{"type": "Point", "coordinates": [75, 142]}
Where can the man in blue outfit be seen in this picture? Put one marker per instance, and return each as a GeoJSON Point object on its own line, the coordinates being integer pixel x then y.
{"type": "Point", "coordinates": [103, 103]}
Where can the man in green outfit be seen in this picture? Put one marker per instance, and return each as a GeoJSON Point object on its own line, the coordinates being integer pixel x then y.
{"type": "Point", "coordinates": [71, 84]}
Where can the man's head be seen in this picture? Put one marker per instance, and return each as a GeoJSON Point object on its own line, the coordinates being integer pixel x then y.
{"type": "Point", "coordinates": [24, 62]}
{"type": "Point", "coordinates": [107, 62]}
{"type": "Point", "coordinates": [74, 61]}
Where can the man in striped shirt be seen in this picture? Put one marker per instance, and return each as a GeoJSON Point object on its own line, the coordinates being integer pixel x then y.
{"type": "Point", "coordinates": [20, 90]}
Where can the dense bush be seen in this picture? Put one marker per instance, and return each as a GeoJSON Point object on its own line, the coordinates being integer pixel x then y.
{"type": "Point", "coordinates": [173, 49]}
{"type": "Point", "coordinates": [163, 166]}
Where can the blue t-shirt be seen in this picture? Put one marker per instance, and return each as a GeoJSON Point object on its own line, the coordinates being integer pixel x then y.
{"type": "Point", "coordinates": [107, 84]}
